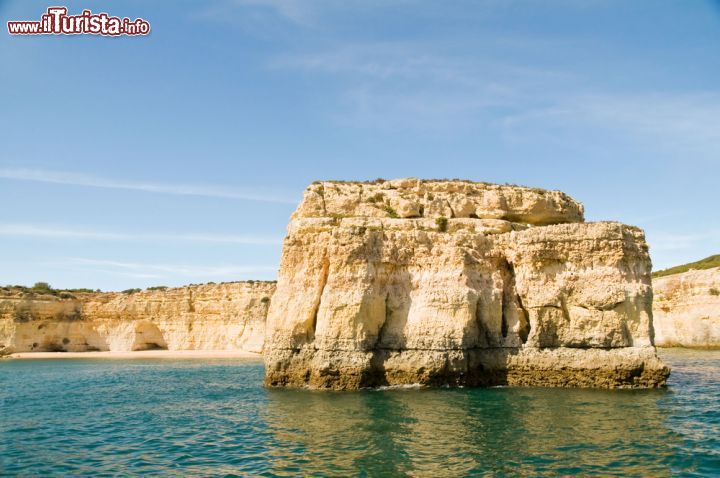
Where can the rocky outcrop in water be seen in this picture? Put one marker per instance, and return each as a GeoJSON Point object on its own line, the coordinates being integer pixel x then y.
{"type": "Point", "coordinates": [458, 283]}
{"type": "Point", "coordinates": [686, 309]}
{"type": "Point", "coordinates": [228, 316]}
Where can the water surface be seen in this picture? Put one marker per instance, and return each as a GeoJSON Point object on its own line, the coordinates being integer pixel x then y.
{"type": "Point", "coordinates": [212, 417]}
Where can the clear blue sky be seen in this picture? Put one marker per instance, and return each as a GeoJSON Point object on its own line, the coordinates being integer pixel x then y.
{"type": "Point", "coordinates": [178, 157]}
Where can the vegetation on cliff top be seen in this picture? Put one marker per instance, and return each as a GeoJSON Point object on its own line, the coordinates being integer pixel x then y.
{"type": "Point", "coordinates": [43, 288]}
{"type": "Point", "coordinates": [707, 263]}
{"type": "Point", "coordinates": [432, 180]}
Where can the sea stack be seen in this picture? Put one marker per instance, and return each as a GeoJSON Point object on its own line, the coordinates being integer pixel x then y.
{"type": "Point", "coordinates": [458, 283]}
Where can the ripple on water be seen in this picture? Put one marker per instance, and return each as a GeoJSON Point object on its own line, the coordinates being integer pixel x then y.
{"type": "Point", "coordinates": [212, 417]}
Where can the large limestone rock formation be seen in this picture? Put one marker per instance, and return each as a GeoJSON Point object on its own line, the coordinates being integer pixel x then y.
{"type": "Point", "coordinates": [458, 283]}
{"type": "Point", "coordinates": [687, 309]}
{"type": "Point", "coordinates": [229, 316]}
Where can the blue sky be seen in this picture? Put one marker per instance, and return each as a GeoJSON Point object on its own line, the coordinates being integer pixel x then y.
{"type": "Point", "coordinates": [178, 157]}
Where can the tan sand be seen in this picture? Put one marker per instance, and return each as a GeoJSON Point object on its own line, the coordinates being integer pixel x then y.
{"type": "Point", "coordinates": [162, 354]}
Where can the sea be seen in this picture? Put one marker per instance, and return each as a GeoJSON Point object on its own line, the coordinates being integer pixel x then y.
{"type": "Point", "coordinates": [213, 417]}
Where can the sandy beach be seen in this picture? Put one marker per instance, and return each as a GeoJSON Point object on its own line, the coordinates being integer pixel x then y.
{"type": "Point", "coordinates": [160, 354]}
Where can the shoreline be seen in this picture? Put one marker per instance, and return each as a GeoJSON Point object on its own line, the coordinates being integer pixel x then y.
{"type": "Point", "coordinates": [714, 347]}
{"type": "Point", "coordinates": [160, 354]}
{"type": "Point", "coordinates": [200, 354]}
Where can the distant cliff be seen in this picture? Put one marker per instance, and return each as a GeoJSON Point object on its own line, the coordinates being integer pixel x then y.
{"type": "Point", "coordinates": [228, 316]}
{"type": "Point", "coordinates": [458, 283]}
{"type": "Point", "coordinates": [686, 308]}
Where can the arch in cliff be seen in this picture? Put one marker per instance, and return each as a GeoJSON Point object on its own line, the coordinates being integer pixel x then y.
{"type": "Point", "coordinates": [147, 336]}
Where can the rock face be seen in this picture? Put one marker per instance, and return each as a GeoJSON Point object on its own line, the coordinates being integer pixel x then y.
{"type": "Point", "coordinates": [687, 309]}
{"type": "Point", "coordinates": [458, 283]}
{"type": "Point", "coordinates": [229, 316]}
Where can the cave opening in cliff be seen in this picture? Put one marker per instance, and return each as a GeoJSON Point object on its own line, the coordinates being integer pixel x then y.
{"type": "Point", "coordinates": [148, 337]}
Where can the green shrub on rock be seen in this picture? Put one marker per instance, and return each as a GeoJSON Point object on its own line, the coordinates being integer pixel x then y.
{"type": "Point", "coordinates": [441, 223]}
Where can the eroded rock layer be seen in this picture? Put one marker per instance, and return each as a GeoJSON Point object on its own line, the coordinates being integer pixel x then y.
{"type": "Point", "coordinates": [458, 283]}
{"type": "Point", "coordinates": [229, 316]}
{"type": "Point", "coordinates": [686, 309]}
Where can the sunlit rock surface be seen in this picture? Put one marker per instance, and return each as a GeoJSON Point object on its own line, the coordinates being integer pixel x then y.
{"type": "Point", "coordinates": [686, 309]}
{"type": "Point", "coordinates": [228, 316]}
{"type": "Point", "coordinates": [458, 283]}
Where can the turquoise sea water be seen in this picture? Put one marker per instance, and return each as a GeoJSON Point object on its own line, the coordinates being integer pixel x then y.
{"type": "Point", "coordinates": [212, 417]}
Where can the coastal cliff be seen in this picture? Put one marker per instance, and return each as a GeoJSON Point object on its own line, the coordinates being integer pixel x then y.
{"type": "Point", "coordinates": [228, 316]}
{"type": "Point", "coordinates": [458, 283]}
{"type": "Point", "coordinates": [686, 309]}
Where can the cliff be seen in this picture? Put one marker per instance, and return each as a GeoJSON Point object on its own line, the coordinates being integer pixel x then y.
{"type": "Point", "coordinates": [229, 316]}
{"type": "Point", "coordinates": [686, 309]}
{"type": "Point", "coordinates": [458, 283]}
